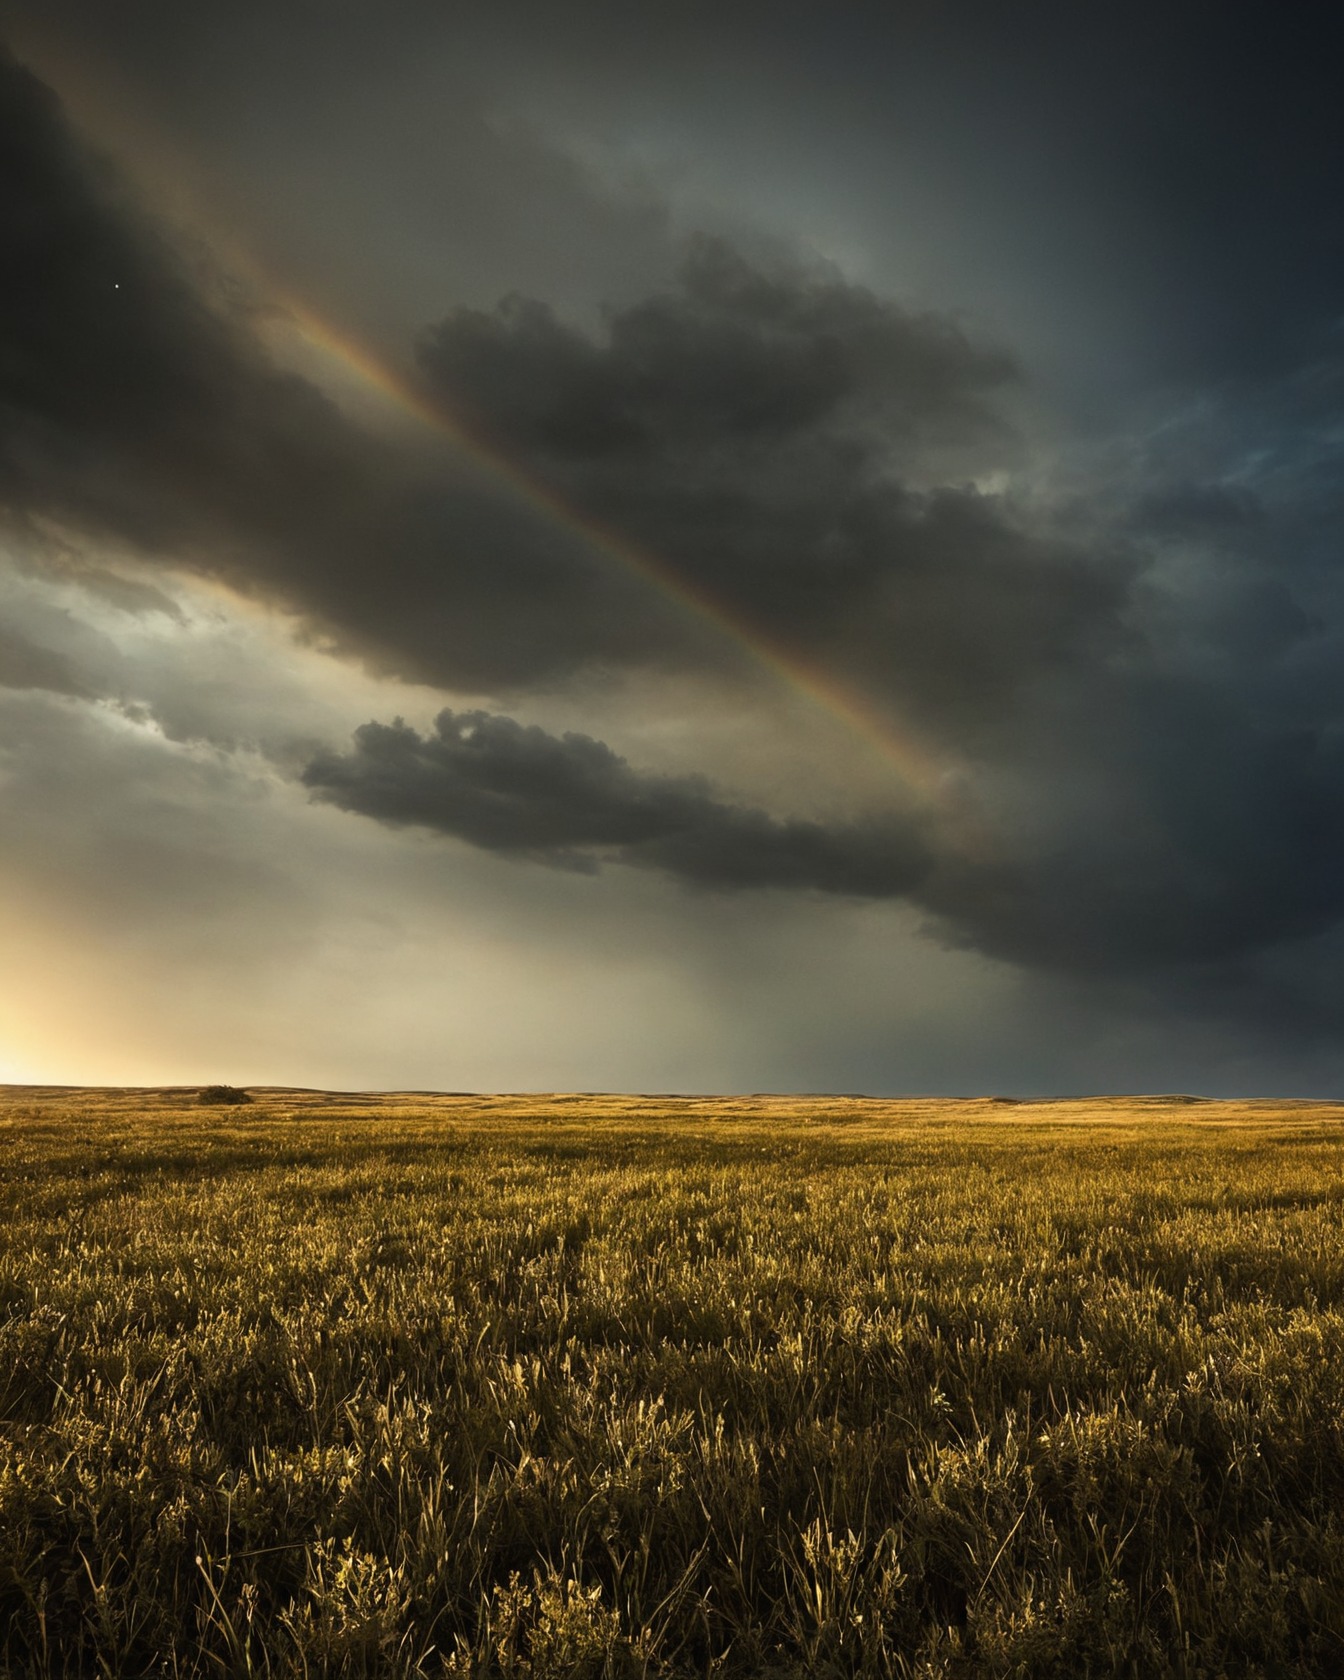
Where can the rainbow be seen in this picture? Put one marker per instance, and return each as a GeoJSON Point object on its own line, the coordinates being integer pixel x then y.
{"type": "Point", "coordinates": [899, 748]}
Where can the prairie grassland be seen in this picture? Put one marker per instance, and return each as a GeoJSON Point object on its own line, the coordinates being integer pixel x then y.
{"type": "Point", "coordinates": [615, 1387]}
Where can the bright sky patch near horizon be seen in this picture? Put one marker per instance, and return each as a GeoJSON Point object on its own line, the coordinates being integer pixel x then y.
{"type": "Point", "coordinates": [742, 549]}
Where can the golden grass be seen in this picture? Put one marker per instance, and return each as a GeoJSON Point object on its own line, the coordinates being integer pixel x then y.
{"type": "Point", "coordinates": [576, 1386]}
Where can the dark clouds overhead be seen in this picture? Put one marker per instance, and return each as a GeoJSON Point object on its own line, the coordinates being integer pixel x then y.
{"type": "Point", "coordinates": [800, 450]}
{"type": "Point", "coordinates": [1205, 844]}
{"type": "Point", "coordinates": [1123, 633]}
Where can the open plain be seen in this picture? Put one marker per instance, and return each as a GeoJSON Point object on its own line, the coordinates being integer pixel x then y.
{"type": "Point", "coordinates": [577, 1386]}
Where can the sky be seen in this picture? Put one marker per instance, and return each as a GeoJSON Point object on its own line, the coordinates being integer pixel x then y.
{"type": "Point", "coordinates": [672, 548]}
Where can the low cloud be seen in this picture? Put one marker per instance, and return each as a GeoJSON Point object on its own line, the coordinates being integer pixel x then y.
{"type": "Point", "coordinates": [1171, 873]}
{"type": "Point", "coordinates": [571, 801]}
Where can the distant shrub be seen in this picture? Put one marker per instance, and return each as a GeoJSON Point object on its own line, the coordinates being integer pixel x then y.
{"type": "Point", "coordinates": [222, 1094]}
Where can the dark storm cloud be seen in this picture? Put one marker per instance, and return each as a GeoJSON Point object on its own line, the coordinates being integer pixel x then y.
{"type": "Point", "coordinates": [571, 801]}
{"type": "Point", "coordinates": [798, 448]}
{"type": "Point", "coordinates": [735, 359]}
{"type": "Point", "coordinates": [1210, 835]}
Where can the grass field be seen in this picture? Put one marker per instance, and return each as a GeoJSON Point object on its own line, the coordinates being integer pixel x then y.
{"type": "Point", "coordinates": [606, 1386]}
